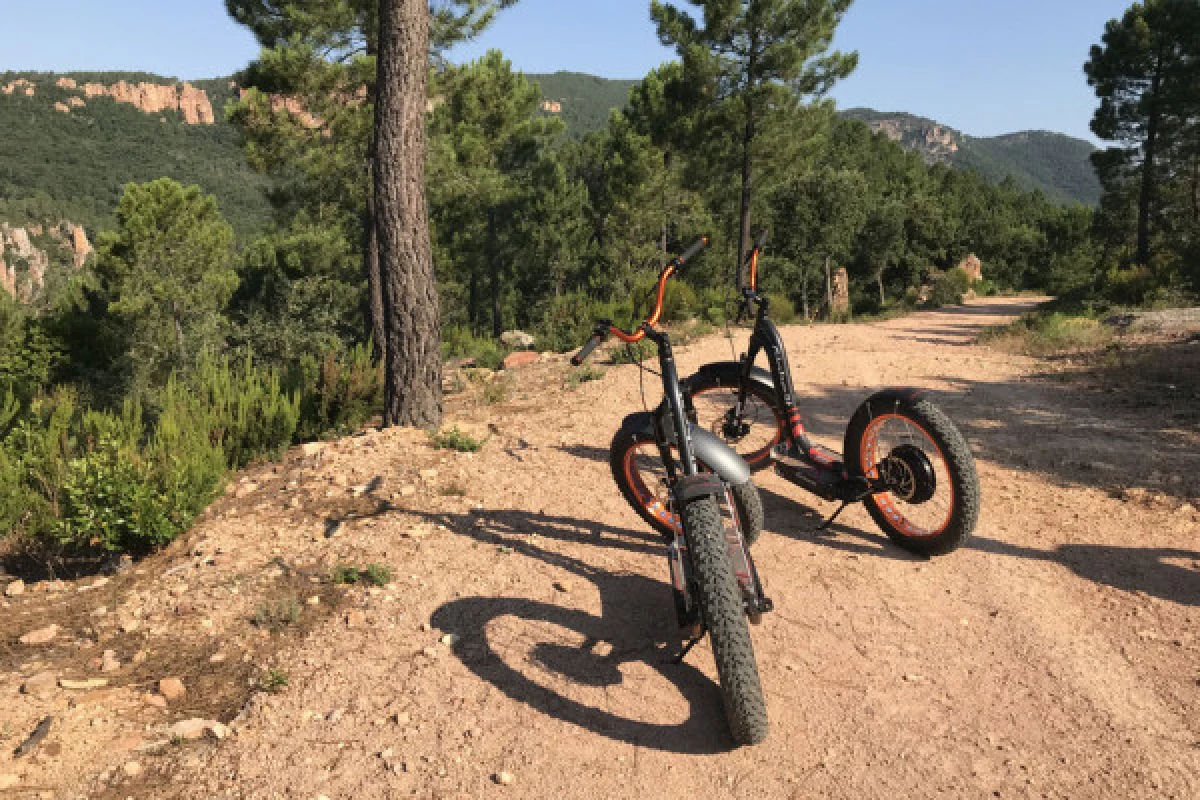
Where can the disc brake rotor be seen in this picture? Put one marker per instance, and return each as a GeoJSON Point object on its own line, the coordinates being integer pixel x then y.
{"type": "Point", "coordinates": [908, 474]}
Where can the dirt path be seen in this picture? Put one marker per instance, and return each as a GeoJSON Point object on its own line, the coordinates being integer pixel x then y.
{"type": "Point", "coordinates": [529, 627]}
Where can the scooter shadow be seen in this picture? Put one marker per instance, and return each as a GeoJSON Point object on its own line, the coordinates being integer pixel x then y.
{"type": "Point", "coordinates": [634, 628]}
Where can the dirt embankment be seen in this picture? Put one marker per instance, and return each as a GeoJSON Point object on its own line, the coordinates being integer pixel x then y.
{"type": "Point", "coordinates": [523, 647]}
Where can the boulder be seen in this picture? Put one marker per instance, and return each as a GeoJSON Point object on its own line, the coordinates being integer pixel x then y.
{"type": "Point", "coordinates": [841, 291]}
{"type": "Point", "coordinates": [521, 358]}
{"type": "Point", "coordinates": [973, 267]}
{"type": "Point", "coordinates": [518, 340]}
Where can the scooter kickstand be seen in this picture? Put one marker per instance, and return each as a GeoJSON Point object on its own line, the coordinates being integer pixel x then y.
{"type": "Point", "coordinates": [827, 524]}
{"type": "Point", "coordinates": [687, 648]}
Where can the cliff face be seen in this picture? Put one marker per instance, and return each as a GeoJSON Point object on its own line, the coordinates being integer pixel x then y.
{"type": "Point", "coordinates": [150, 98]}
{"type": "Point", "coordinates": [23, 264]}
{"type": "Point", "coordinates": [936, 143]}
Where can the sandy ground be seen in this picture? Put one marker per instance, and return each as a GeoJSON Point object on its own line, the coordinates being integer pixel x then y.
{"type": "Point", "coordinates": [523, 649]}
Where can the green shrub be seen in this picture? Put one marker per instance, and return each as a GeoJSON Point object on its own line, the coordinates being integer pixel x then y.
{"type": "Point", "coordinates": [584, 374]}
{"type": "Point", "coordinates": [782, 309]}
{"type": "Point", "coordinates": [337, 394]}
{"type": "Point", "coordinates": [249, 411]}
{"type": "Point", "coordinates": [1042, 334]}
{"type": "Point", "coordinates": [679, 300]}
{"type": "Point", "coordinates": [949, 288]}
{"type": "Point", "coordinates": [454, 439]}
{"type": "Point", "coordinates": [377, 575]}
{"type": "Point", "coordinates": [459, 342]}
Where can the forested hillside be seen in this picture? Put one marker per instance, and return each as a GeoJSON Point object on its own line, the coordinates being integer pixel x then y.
{"type": "Point", "coordinates": [586, 99]}
{"type": "Point", "coordinates": [1058, 165]}
{"type": "Point", "coordinates": [73, 164]}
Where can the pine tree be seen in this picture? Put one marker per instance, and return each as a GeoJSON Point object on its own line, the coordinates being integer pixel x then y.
{"type": "Point", "coordinates": [753, 59]}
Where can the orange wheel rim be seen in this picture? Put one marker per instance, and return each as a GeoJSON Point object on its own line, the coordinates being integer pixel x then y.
{"type": "Point", "coordinates": [646, 498]}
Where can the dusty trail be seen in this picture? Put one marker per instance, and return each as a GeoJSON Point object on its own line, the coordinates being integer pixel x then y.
{"type": "Point", "coordinates": [1054, 656]}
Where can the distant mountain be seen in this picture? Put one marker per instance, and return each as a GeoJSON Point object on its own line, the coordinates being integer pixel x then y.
{"type": "Point", "coordinates": [1057, 164]}
{"type": "Point", "coordinates": [583, 101]}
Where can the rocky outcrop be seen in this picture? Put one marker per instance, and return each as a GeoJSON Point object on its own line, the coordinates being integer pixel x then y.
{"type": "Point", "coordinates": [23, 265]}
{"type": "Point", "coordinates": [973, 267]}
{"type": "Point", "coordinates": [841, 291]}
{"type": "Point", "coordinates": [552, 106]}
{"type": "Point", "coordinates": [66, 83]}
{"type": "Point", "coordinates": [153, 98]}
{"type": "Point", "coordinates": [935, 142]}
{"type": "Point", "coordinates": [19, 86]}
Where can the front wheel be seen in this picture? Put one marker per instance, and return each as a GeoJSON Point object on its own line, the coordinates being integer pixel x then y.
{"type": "Point", "coordinates": [904, 442]}
{"type": "Point", "coordinates": [723, 609]}
{"type": "Point", "coordinates": [638, 469]}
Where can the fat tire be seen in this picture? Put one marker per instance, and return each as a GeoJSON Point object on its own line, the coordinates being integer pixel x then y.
{"type": "Point", "coordinates": [746, 498]}
{"type": "Point", "coordinates": [956, 453]}
{"type": "Point", "coordinates": [721, 604]}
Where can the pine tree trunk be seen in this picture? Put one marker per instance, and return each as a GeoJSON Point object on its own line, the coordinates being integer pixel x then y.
{"type": "Point", "coordinates": [744, 216]}
{"type": "Point", "coordinates": [828, 287]}
{"type": "Point", "coordinates": [494, 268]}
{"type": "Point", "coordinates": [375, 321]}
{"type": "Point", "coordinates": [1146, 196]}
{"type": "Point", "coordinates": [882, 298]}
{"type": "Point", "coordinates": [413, 379]}
{"type": "Point", "coordinates": [804, 297]}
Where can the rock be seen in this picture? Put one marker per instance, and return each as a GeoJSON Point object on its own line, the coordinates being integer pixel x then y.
{"type": "Point", "coordinates": [246, 489]}
{"type": "Point", "coordinates": [109, 662]}
{"type": "Point", "coordinates": [156, 701]}
{"type": "Point", "coordinates": [83, 685]}
{"type": "Point", "coordinates": [171, 688]}
{"type": "Point", "coordinates": [41, 635]}
{"type": "Point", "coordinates": [130, 626]}
{"type": "Point", "coordinates": [429, 474]}
{"type": "Point", "coordinates": [140, 657]}
{"type": "Point", "coordinates": [356, 618]}
{"type": "Point", "coordinates": [312, 449]}
{"type": "Point", "coordinates": [973, 267]}
{"type": "Point", "coordinates": [193, 729]}
{"type": "Point", "coordinates": [521, 358]}
{"type": "Point", "coordinates": [15, 589]}
{"type": "Point", "coordinates": [315, 600]}
{"type": "Point", "coordinates": [132, 769]}
{"type": "Point", "coordinates": [563, 586]}
{"type": "Point", "coordinates": [450, 639]}
{"type": "Point", "coordinates": [504, 778]}
{"type": "Point", "coordinates": [8, 781]}
{"type": "Point", "coordinates": [42, 684]}
{"type": "Point", "coordinates": [518, 340]}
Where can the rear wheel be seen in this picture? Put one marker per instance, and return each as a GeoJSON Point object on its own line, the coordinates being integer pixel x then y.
{"type": "Point", "coordinates": [724, 613]}
{"type": "Point", "coordinates": [753, 435]}
{"type": "Point", "coordinates": [638, 469]}
{"type": "Point", "coordinates": [907, 443]}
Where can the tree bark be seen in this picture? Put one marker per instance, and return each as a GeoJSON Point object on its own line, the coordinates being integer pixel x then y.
{"type": "Point", "coordinates": [828, 287]}
{"type": "Point", "coordinates": [882, 298]}
{"type": "Point", "coordinates": [1146, 197]}
{"type": "Point", "coordinates": [494, 268]}
{"type": "Point", "coordinates": [375, 310]}
{"type": "Point", "coordinates": [747, 174]}
{"type": "Point", "coordinates": [413, 379]}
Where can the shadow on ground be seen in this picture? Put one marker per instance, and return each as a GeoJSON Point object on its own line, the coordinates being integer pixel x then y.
{"type": "Point", "coordinates": [635, 624]}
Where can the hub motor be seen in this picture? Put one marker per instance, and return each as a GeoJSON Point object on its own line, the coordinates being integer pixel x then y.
{"type": "Point", "coordinates": [908, 474]}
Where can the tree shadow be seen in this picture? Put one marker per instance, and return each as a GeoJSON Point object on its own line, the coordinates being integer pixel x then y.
{"type": "Point", "coordinates": [635, 627]}
{"type": "Point", "coordinates": [1148, 570]}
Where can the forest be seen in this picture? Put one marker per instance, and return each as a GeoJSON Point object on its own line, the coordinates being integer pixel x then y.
{"type": "Point", "coordinates": [190, 345]}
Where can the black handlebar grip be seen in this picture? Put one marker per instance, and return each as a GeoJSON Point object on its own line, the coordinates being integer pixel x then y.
{"type": "Point", "coordinates": [583, 354]}
{"type": "Point", "coordinates": [692, 251]}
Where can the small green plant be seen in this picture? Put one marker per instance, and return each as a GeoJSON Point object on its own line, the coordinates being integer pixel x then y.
{"type": "Point", "coordinates": [495, 392]}
{"type": "Point", "coordinates": [274, 681]}
{"type": "Point", "coordinates": [453, 490]}
{"type": "Point", "coordinates": [276, 615]}
{"type": "Point", "coordinates": [345, 575]}
{"type": "Point", "coordinates": [584, 374]}
{"type": "Point", "coordinates": [456, 440]}
{"type": "Point", "coordinates": [631, 354]}
{"type": "Point", "coordinates": [949, 288]}
{"type": "Point", "coordinates": [377, 575]}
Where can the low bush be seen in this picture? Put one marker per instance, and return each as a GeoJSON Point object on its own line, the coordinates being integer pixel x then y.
{"type": "Point", "coordinates": [337, 394]}
{"type": "Point", "coordinates": [454, 439]}
{"type": "Point", "coordinates": [949, 288]}
{"type": "Point", "coordinates": [1045, 334]}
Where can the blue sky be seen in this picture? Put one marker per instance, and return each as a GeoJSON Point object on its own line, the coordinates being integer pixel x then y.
{"type": "Point", "coordinates": [983, 66]}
